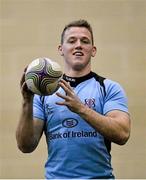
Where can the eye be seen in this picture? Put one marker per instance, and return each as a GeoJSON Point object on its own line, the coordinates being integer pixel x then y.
{"type": "Point", "coordinates": [71, 40]}
{"type": "Point", "coordinates": [86, 41]}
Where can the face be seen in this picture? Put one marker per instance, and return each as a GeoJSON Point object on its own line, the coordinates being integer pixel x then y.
{"type": "Point", "coordinates": [77, 48]}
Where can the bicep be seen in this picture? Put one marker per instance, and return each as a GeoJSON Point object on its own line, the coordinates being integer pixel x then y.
{"type": "Point", "coordinates": [121, 117]}
{"type": "Point", "coordinates": [120, 121]}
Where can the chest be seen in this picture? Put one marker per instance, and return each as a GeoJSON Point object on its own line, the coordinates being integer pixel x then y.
{"type": "Point", "coordinates": [60, 117]}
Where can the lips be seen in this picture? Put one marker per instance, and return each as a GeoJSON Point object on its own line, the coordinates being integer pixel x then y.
{"type": "Point", "coordinates": [78, 53]}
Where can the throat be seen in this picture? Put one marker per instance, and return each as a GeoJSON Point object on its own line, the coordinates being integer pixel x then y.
{"type": "Point", "coordinates": [77, 68]}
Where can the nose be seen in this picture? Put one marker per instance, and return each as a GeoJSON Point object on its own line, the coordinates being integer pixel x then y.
{"type": "Point", "coordinates": [78, 44]}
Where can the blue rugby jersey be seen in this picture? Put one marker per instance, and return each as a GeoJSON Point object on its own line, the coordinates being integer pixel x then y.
{"type": "Point", "coordinates": [75, 149]}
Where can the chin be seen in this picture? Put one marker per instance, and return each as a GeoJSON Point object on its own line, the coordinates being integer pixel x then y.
{"type": "Point", "coordinates": [78, 67]}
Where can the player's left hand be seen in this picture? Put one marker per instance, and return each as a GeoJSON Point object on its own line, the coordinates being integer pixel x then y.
{"type": "Point", "coordinates": [71, 100]}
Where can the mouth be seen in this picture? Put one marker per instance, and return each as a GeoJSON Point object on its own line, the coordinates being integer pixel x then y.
{"type": "Point", "coordinates": [78, 53]}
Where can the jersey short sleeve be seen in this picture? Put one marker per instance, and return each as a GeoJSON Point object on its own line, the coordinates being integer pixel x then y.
{"type": "Point", "coordinates": [115, 98]}
{"type": "Point", "coordinates": [38, 110]}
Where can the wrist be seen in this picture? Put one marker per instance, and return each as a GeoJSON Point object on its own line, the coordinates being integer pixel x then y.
{"type": "Point", "coordinates": [27, 101]}
{"type": "Point", "coordinates": [27, 107]}
{"type": "Point", "coordinates": [82, 110]}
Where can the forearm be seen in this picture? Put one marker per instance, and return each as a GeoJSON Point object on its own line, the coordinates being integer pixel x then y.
{"type": "Point", "coordinates": [112, 128]}
{"type": "Point", "coordinates": [25, 130]}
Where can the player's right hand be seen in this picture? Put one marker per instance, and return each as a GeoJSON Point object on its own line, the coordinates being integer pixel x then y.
{"type": "Point", "coordinates": [26, 93]}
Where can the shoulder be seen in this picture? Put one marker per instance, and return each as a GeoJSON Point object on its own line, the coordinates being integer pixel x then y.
{"type": "Point", "coordinates": [107, 83]}
{"type": "Point", "coordinates": [116, 98]}
{"type": "Point", "coordinates": [113, 86]}
{"type": "Point", "coordinates": [110, 87]}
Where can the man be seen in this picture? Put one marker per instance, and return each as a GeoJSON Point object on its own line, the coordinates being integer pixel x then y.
{"type": "Point", "coordinates": [81, 119]}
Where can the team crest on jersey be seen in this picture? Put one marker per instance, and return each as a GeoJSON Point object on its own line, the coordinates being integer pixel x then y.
{"type": "Point", "coordinates": [69, 123]}
{"type": "Point", "coordinates": [90, 103]}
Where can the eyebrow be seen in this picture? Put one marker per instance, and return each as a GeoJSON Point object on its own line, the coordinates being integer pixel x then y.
{"type": "Point", "coordinates": [74, 37]}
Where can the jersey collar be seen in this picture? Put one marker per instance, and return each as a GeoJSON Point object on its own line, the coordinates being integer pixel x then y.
{"type": "Point", "coordinates": [74, 81]}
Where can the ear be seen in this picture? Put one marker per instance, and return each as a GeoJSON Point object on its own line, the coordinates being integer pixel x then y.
{"type": "Point", "coordinates": [94, 50]}
{"type": "Point", "coordinates": [60, 50]}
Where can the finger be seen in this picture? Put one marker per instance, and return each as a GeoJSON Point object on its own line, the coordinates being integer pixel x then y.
{"type": "Point", "coordinates": [25, 68]}
{"type": "Point", "coordinates": [67, 84]}
{"type": "Point", "coordinates": [69, 91]}
{"type": "Point", "coordinates": [62, 96]}
{"type": "Point", "coordinates": [64, 87]}
{"type": "Point", "coordinates": [23, 77]}
{"type": "Point", "coordinates": [25, 91]}
{"type": "Point", "coordinates": [24, 86]}
{"type": "Point", "coordinates": [61, 103]}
